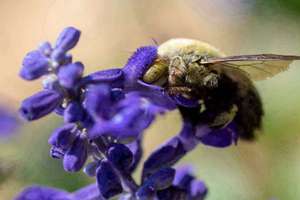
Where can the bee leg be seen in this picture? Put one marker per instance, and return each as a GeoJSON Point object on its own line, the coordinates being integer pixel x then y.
{"type": "Point", "coordinates": [211, 80]}
{"type": "Point", "coordinates": [224, 118]}
{"type": "Point", "coordinates": [184, 91]}
{"type": "Point", "coordinates": [177, 71]}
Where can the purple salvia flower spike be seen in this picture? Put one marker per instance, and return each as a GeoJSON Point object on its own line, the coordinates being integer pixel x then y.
{"type": "Point", "coordinates": [108, 181]}
{"type": "Point", "coordinates": [67, 39]}
{"type": "Point", "coordinates": [69, 75]}
{"type": "Point", "coordinates": [40, 104]}
{"type": "Point", "coordinates": [76, 156]}
{"type": "Point", "coordinates": [34, 65]}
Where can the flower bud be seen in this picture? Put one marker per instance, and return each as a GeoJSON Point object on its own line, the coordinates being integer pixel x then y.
{"type": "Point", "coordinates": [34, 65]}
{"type": "Point", "coordinates": [40, 104]}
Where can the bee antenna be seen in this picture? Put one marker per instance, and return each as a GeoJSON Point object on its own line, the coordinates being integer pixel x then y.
{"type": "Point", "coordinates": [154, 41]}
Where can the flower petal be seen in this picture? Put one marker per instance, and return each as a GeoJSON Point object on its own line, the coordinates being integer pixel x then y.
{"type": "Point", "coordinates": [40, 104]}
{"type": "Point", "coordinates": [76, 156]}
{"type": "Point", "coordinates": [34, 65]}
{"type": "Point", "coordinates": [69, 75]}
{"type": "Point", "coordinates": [165, 156]}
{"type": "Point", "coordinates": [67, 39]}
{"type": "Point", "coordinates": [108, 182]}
{"type": "Point", "coordinates": [120, 156]}
{"type": "Point", "coordinates": [110, 76]}
{"type": "Point", "coordinates": [73, 112]}
{"type": "Point", "coordinates": [63, 137]}
{"type": "Point", "coordinates": [42, 193]}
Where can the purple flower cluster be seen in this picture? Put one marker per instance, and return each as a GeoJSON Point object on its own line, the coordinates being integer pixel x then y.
{"type": "Point", "coordinates": [105, 114]}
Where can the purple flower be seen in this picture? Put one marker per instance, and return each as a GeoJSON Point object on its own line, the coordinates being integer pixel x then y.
{"type": "Point", "coordinates": [120, 156]}
{"type": "Point", "coordinates": [108, 181]}
{"type": "Point", "coordinates": [64, 136]}
{"type": "Point", "coordinates": [89, 192]}
{"type": "Point", "coordinates": [67, 39]}
{"type": "Point", "coordinates": [69, 75]}
{"type": "Point", "coordinates": [75, 157]}
{"type": "Point", "coordinates": [40, 104]}
{"type": "Point", "coordinates": [35, 64]}
{"type": "Point", "coordinates": [43, 193]}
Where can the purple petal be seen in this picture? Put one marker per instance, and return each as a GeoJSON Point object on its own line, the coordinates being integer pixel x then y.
{"type": "Point", "coordinates": [110, 76]}
{"type": "Point", "coordinates": [76, 156]}
{"type": "Point", "coordinates": [161, 179]}
{"type": "Point", "coordinates": [40, 104]}
{"type": "Point", "coordinates": [137, 151]}
{"type": "Point", "coordinates": [64, 136]}
{"type": "Point", "coordinates": [56, 152]}
{"type": "Point", "coordinates": [42, 193]}
{"type": "Point", "coordinates": [98, 101]}
{"type": "Point", "coordinates": [182, 101]}
{"type": "Point", "coordinates": [90, 168]}
{"type": "Point", "coordinates": [138, 63]}
{"type": "Point", "coordinates": [34, 65]}
{"type": "Point", "coordinates": [69, 75]}
{"type": "Point", "coordinates": [67, 39]}
{"type": "Point", "coordinates": [120, 156]}
{"type": "Point", "coordinates": [156, 94]}
{"type": "Point", "coordinates": [183, 177]}
{"type": "Point", "coordinates": [90, 192]}
{"type": "Point", "coordinates": [108, 181]}
{"type": "Point", "coordinates": [165, 156]}
{"type": "Point", "coordinates": [146, 192]}
{"type": "Point", "coordinates": [45, 48]}
{"type": "Point", "coordinates": [198, 190]}
{"type": "Point", "coordinates": [221, 138]}
{"type": "Point", "coordinates": [172, 193]}
{"type": "Point", "coordinates": [187, 136]}
{"type": "Point", "coordinates": [73, 112]}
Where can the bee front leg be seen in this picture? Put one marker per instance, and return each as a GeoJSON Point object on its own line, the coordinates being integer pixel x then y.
{"type": "Point", "coordinates": [177, 71]}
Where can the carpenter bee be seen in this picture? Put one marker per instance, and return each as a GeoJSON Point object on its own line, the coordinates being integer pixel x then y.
{"type": "Point", "coordinates": [222, 85]}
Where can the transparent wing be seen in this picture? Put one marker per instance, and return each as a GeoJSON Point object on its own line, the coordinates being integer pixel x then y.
{"type": "Point", "coordinates": [258, 67]}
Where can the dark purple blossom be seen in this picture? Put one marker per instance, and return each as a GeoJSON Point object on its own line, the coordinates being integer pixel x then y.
{"type": "Point", "coordinates": [35, 64]}
{"type": "Point", "coordinates": [70, 74]}
{"type": "Point", "coordinates": [40, 104]}
{"type": "Point", "coordinates": [76, 155]}
{"type": "Point", "coordinates": [108, 181]}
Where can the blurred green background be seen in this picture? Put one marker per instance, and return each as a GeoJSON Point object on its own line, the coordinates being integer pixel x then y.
{"type": "Point", "coordinates": [111, 30]}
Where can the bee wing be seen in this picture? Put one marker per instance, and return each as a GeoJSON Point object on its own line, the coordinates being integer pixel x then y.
{"type": "Point", "coordinates": [258, 67]}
